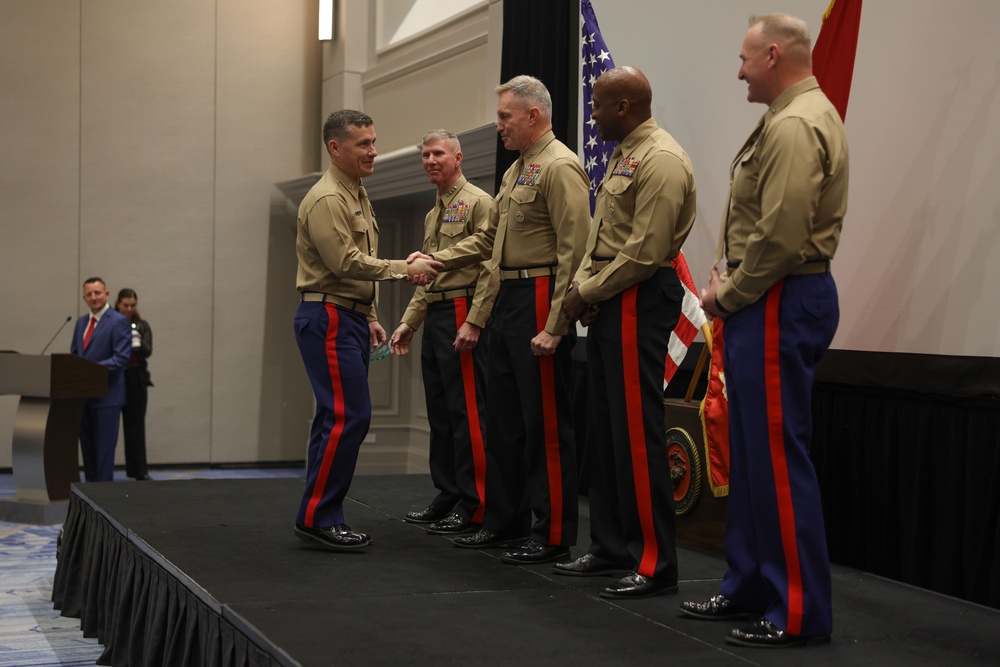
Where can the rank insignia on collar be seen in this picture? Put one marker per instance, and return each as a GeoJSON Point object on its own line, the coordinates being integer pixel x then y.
{"type": "Point", "coordinates": [457, 212]}
{"type": "Point", "coordinates": [530, 173]}
{"type": "Point", "coordinates": [626, 166]}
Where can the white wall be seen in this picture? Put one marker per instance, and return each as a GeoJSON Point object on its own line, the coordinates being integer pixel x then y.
{"type": "Point", "coordinates": [141, 142]}
{"type": "Point", "coordinates": [921, 241]}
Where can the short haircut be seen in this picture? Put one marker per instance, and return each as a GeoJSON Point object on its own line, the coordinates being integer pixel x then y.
{"type": "Point", "coordinates": [792, 31]}
{"type": "Point", "coordinates": [336, 125]}
{"type": "Point", "coordinates": [530, 90]}
{"type": "Point", "coordinates": [435, 135]}
{"type": "Point", "coordinates": [95, 279]}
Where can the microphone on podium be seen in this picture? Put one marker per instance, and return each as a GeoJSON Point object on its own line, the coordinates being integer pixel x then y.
{"type": "Point", "coordinates": [58, 331]}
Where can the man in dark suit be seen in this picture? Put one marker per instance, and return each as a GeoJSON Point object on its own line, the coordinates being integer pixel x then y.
{"type": "Point", "coordinates": [103, 336]}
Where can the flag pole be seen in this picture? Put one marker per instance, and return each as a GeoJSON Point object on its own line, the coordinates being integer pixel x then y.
{"type": "Point", "coordinates": [706, 354]}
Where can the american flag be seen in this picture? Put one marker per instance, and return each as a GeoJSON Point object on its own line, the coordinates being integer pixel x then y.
{"type": "Point", "coordinates": [596, 153]}
{"type": "Point", "coordinates": [596, 60]}
{"type": "Point", "coordinates": [691, 320]}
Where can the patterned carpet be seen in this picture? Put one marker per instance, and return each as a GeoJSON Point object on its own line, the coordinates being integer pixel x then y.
{"type": "Point", "coordinates": [32, 633]}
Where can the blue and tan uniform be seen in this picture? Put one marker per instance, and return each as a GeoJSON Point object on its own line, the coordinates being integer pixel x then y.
{"type": "Point", "coordinates": [645, 209]}
{"type": "Point", "coordinates": [535, 245]}
{"type": "Point", "coordinates": [337, 246]}
{"type": "Point", "coordinates": [455, 382]}
{"type": "Point", "coordinates": [788, 197]}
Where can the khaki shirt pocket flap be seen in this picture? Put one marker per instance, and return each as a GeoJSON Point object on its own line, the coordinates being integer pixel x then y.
{"type": "Point", "coordinates": [617, 186]}
{"type": "Point", "coordinates": [452, 229]}
{"type": "Point", "coordinates": [523, 195]}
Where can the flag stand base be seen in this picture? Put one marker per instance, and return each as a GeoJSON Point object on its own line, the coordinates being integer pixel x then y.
{"type": "Point", "coordinates": [703, 521]}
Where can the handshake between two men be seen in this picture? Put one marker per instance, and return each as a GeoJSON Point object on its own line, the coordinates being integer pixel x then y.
{"type": "Point", "coordinates": [421, 268]}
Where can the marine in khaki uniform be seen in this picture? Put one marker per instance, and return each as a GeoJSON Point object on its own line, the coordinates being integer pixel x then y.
{"type": "Point", "coordinates": [335, 324]}
{"type": "Point", "coordinates": [630, 296]}
{"type": "Point", "coordinates": [455, 307]}
{"type": "Point", "coordinates": [788, 196]}
{"type": "Point", "coordinates": [536, 245]}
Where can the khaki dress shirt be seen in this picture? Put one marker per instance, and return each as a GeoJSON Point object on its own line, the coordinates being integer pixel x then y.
{"type": "Point", "coordinates": [645, 210]}
{"type": "Point", "coordinates": [337, 242]}
{"type": "Point", "coordinates": [543, 216]}
{"type": "Point", "coordinates": [459, 212]}
{"type": "Point", "coordinates": [788, 194]}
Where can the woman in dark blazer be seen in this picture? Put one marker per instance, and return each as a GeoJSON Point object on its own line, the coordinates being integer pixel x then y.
{"type": "Point", "coordinates": [136, 383]}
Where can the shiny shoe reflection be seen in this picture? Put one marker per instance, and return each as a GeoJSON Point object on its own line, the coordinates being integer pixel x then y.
{"type": "Point", "coordinates": [336, 538]}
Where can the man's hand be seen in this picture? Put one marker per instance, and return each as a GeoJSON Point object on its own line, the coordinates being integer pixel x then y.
{"type": "Point", "coordinates": [467, 338]}
{"type": "Point", "coordinates": [401, 338]}
{"type": "Point", "coordinates": [544, 344]}
{"type": "Point", "coordinates": [708, 304]}
{"type": "Point", "coordinates": [376, 334]}
{"type": "Point", "coordinates": [573, 305]}
{"type": "Point", "coordinates": [590, 315]}
{"type": "Point", "coordinates": [417, 255]}
{"type": "Point", "coordinates": [420, 271]}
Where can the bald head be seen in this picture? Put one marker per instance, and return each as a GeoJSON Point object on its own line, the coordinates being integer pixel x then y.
{"type": "Point", "coordinates": [623, 101]}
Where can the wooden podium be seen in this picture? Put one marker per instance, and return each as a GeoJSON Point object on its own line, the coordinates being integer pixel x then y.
{"type": "Point", "coordinates": [44, 450]}
{"type": "Point", "coordinates": [701, 516]}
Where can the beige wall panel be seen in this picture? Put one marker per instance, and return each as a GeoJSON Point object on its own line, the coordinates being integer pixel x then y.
{"type": "Point", "coordinates": [339, 92]}
{"type": "Point", "coordinates": [39, 173]}
{"type": "Point", "coordinates": [147, 195]}
{"type": "Point", "coordinates": [445, 94]}
{"type": "Point", "coordinates": [267, 131]}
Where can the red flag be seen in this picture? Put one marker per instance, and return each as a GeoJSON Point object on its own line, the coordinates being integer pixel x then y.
{"type": "Point", "coordinates": [833, 53]}
{"type": "Point", "coordinates": [714, 414]}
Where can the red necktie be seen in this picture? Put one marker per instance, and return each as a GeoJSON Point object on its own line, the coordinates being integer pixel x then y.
{"type": "Point", "coordinates": [90, 330]}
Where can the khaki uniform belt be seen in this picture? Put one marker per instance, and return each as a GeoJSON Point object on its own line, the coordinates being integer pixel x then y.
{"type": "Point", "coordinates": [358, 306]}
{"type": "Point", "coordinates": [448, 294]}
{"type": "Point", "coordinates": [597, 264]}
{"type": "Point", "coordinates": [520, 274]}
{"type": "Point", "coordinates": [809, 268]}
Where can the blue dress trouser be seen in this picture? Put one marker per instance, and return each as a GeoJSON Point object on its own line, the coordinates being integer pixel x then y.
{"type": "Point", "coordinates": [776, 547]}
{"type": "Point", "coordinates": [335, 345]}
{"type": "Point", "coordinates": [98, 439]}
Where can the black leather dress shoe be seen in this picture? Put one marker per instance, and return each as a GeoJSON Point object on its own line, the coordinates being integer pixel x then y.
{"type": "Point", "coordinates": [587, 565]}
{"type": "Point", "coordinates": [337, 538]}
{"type": "Point", "coordinates": [453, 524]}
{"type": "Point", "coordinates": [483, 538]}
{"type": "Point", "coordinates": [636, 586]}
{"type": "Point", "coordinates": [715, 608]}
{"type": "Point", "coordinates": [765, 634]}
{"type": "Point", "coordinates": [143, 478]}
{"type": "Point", "coordinates": [429, 515]}
{"type": "Point", "coordinates": [535, 552]}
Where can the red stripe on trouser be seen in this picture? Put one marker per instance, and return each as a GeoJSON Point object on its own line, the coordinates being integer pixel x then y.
{"type": "Point", "coordinates": [472, 410]}
{"type": "Point", "coordinates": [550, 422]}
{"type": "Point", "coordinates": [776, 437]}
{"type": "Point", "coordinates": [637, 432]}
{"type": "Point", "coordinates": [338, 413]}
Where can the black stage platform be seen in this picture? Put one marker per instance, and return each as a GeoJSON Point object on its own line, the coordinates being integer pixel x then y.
{"type": "Point", "coordinates": [208, 572]}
